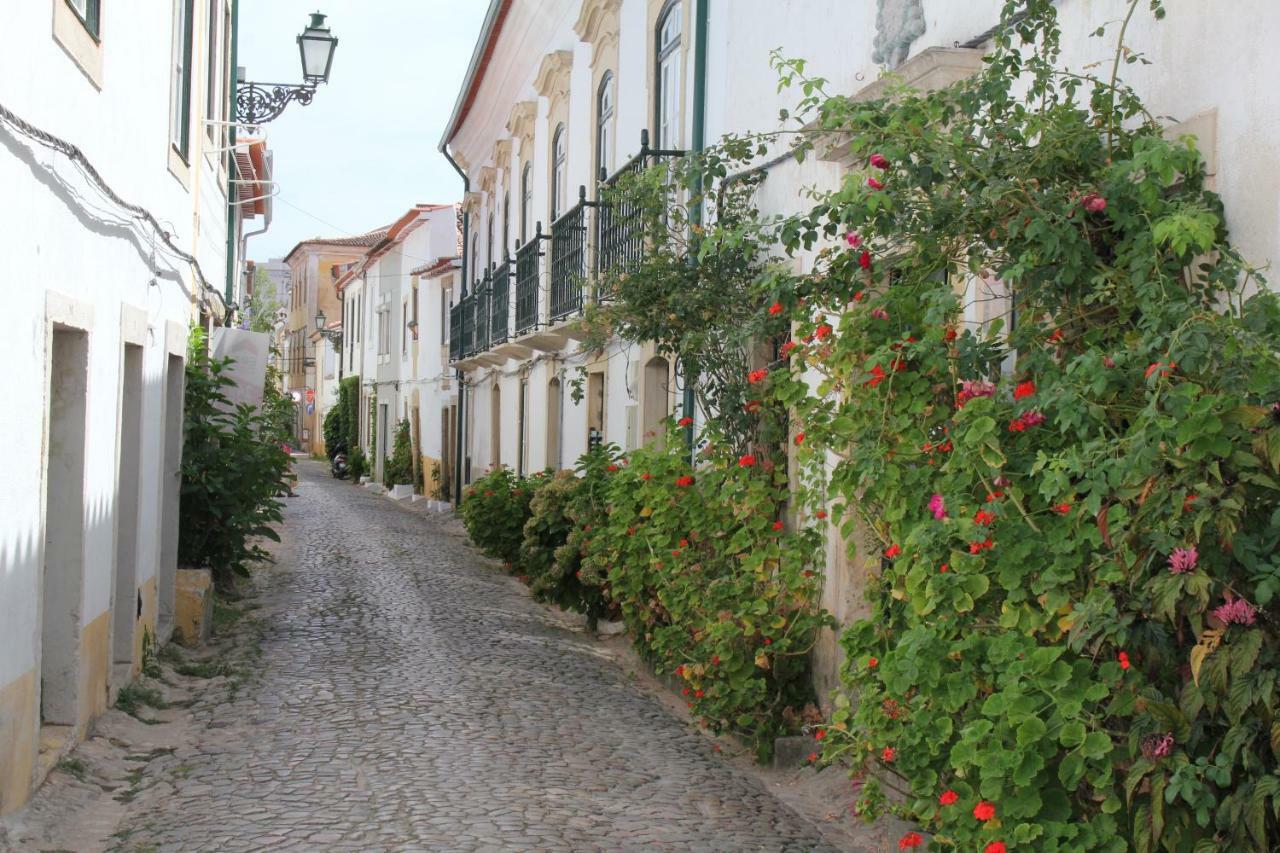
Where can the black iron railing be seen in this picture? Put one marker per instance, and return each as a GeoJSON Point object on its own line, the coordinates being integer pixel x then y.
{"type": "Point", "coordinates": [569, 259]}
{"type": "Point", "coordinates": [468, 317]}
{"type": "Point", "coordinates": [620, 239]}
{"type": "Point", "coordinates": [500, 303]}
{"type": "Point", "coordinates": [483, 291]}
{"type": "Point", "coordinates": [528, 272]}
{"type": "Point", "coordinates": [455, 331]}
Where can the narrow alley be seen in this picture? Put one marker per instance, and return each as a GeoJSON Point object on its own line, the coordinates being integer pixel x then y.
{"type": "Point", "coordinates": [411, 698]}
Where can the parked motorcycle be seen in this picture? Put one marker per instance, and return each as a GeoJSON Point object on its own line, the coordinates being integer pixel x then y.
{"type": "Point", "coordinates": [338, 466]}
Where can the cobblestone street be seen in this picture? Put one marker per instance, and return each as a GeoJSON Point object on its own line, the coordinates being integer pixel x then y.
{"type": "Point", "coordinates": [413, 698]}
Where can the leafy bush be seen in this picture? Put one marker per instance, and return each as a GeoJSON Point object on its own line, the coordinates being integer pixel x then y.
{"type": "Point", "coordinates": [1072, 644]}
{"type": "Point", "coordinates": [233, 466]}
{"type": "Point", "coordinates": [711, 585]}
{"type": "Point", "coordinates": [357, 463]}
{"type": "Point", "coordinates": [334, 431]}
{"type": "Point", "coordinates": [399, 468]}
{"type": "Point", "coordinates": [495, 509]}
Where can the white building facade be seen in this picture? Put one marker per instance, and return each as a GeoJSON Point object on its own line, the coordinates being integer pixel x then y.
{"type": "Point", "coordinates": [559, 92]}
{"type": "Point", "coordinates": [116, 177]}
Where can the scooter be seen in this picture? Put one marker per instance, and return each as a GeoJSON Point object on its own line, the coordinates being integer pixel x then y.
{"type": "Point", "coordinates": [338, 466]}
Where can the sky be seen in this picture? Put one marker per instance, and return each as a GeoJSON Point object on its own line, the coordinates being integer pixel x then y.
{"type": "Point", "coordinates": [364, 151]}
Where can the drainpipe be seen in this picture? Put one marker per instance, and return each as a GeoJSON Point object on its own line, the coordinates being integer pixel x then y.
{"type": "Point", "coordinates": [231, 143]}
{"type": "Point", "coordinates": [462, 388]}
{"type": "Point", "coordinates": [702, 15]}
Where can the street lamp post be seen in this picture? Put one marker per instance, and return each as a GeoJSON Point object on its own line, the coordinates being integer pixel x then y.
{"type": "Point", "coordinates": [333, 336]}
{"type": "Point", "coordinates": [258, 103]}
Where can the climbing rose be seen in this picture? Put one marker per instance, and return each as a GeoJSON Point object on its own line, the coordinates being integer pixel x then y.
{"type": "Point", "coordinates": [819, 734]}
{"type": "Point", "coordinates": [880, 313]}
{"type": "Point", "coordinates": [893, 551]}
{"type": "Point", "coordinates": [686, 421]}
{"type": "Point", "coordinates": [879, 161]}
{"type": "Point", "coordinates": [888, 754]}
{"type": "Point", "coordinates": [994, 847]}
{"type": "Point", "coordinates": [746, 460]}
{"type": "Point", "coordinates": [822, 331]}
{"type": "Point", "coordinates": [971, 389]}
{"type": "Point", "coordinates": [1183, 560]}
{"type": "Point", "coordinates": [948, 797]}
{"type": "Point", "coordinates": [937, 506]}
{"type": "Point", "coordinates": [775, 308]}
{"type": "Point", "coordinates": [1094, 203]}
{"type": "Point", "coordinates": [788, 347]}
{"type": "Point", "coordinates": [1024, 389]}
{"type": "Point", "coordinates": [1123, 657]}
{"type": "Point", "coordinates": [874, 184]}
{"type": "Point", "coordinates": [853, 240]}
{"type": "Point", "coordinates": [778, 525]}
{"type": "Point", "coordinates": [799, 438]}
{"type": "Point", "coordinates": [757, 376]}
{"type": "Point", "coordinates": [685, 481]}
{"type": "Point", "coordinates": [1237, 612]}
{"type": "Point", "coordinates": [864, 260]}
{"type": "Point", "coordinates": [984, 811]}
{"type": "Point", "coordinates": [877, 376]}
{"type": "Point", "coordinates": [911, 839]}
{"type": "Point", "coordinates": [984, 518]}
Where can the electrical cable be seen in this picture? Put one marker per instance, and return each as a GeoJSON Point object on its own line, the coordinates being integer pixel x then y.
{"type": "Point", "coordinates": [76, 156]}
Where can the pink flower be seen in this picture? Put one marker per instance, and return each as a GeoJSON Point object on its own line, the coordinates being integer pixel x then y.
{"type": "Point", "coordinates": [874, 184]}
{"type": "Point", "coordinates": [1094, 203]}
{"type": "Point", "coordinates": [880, 313]}
{"type": "Point", "coordinates": [1183, 560]}
{"type": "Point", "coordinates": [853, 240]}
{"type": "Point", "coordinates": [937, 506]}
{"type": "Point", "coordinates": [1237, 612]}
{"type": "Point", "coordinates": [879, 161]}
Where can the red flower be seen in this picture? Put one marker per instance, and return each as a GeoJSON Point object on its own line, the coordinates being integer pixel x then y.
{"type": "Point", "coordinates": [879, 161]}
{"type": "Point", "coordinates": [994, 496]}
{"type": "Point", "coordinates": [768, 641]}
{"type": "Point", "coordinates": [888, 754]}
{"type": "Point", "coordinates": [611, 468]}
{"type": "Point", "coordinates": [684, 543]}
{"type": "Point", "coordinates": [684, 482]}
{"type": "Point", "coordinates": [684, 692]}
{"type": "Point", "coordinates": [874, 184]}
{"type": "Point", "coordinates": [1187, 502]}
{"type": "Point", "coordinates": [877, 376]}
{"type": "Point", "coordinates": [948, 797]}
{"type": "Point", "coordinates": [1160, 365]}
{"type": "Point", "coordinates": [984, 811]}
{"type": "Point", "coordinates": [799, 438]}
{"type": "Point", "coordinates": [775, 308]}
{"type": "Point", "coordinates": [1024, 389]}
{"type": "Point", "coordinates": [864, 260]}
{"type": "Point", "coordinates": [751, 406]}
{"type": "Point", "coordinates": [822, 513]}
{"type": "Point", "coordinates": [778, 525]}
{"type": "Point", "coordinates": [1056, 337]}
{"type": "Point", "coordinates": [894, 550]}
{"type": "Point", "coordinates": [685, 421]}
{"type": "Point", "coordinates": [950, 335]}
{"type": "Point", "coordinates": [646, 476]}
{"type": "Point", "coordinates": [911, 839]}
{"type": "Point", "coordinates": [822, 331]}
{"type": "Point", "coordinates": [819, 734]}
{"type": "Point", "coordinates": [1123, 657]}
{"type": "Point", "coordinates": [859, 296]}
{"type": "Point", "coordinates": [747, 460]}
{"type": "Point", "coordinates": [944, 568]}
{"type": "Point", "coordinates": [757, 376]}
{"type": "Point", "coordinates": [813, 757]}
{"type": "Point", "coordinates": [698, 694]}
{"type": "Point", "coordinates": [715, 660]}
{"type": "Point", "coordinates": [984, 518]}
{"type": "Point", "coordinates": [788, 347]}
{"type": "Point", "coordinates": [680, 670]}
{"type": "Point", "coordinates": [873, 662]}
{"type": "Point", "coordinates": [995, 847]}
{"type": "Point", "coordinates": [1094, 203]}
{"type": "Point", "coordinates": [1017, 425]}
{"type": "Point", "coordinates": [1062, 509]}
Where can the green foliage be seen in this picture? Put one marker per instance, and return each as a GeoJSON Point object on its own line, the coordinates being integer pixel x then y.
{"type": "Point", "coordinates": [566, 510]}
{"type": "Point", "coordinates": [399, 468]}
{"type": "Point", "coordinates": [1032, 643]}
{"type": "Point", "coordinates": [334, 430]}
{"type": "Point", "coordinates": [358, 464]}
{"type": "Point", "coordinates": [711, 585]}
{"type": "Point", "coordinates": [263, 306]}
{"type": "Point", "coordinates": [233, 467]}
{"type": "Point", "coordinates": [349, 411]}
{"type": "Point", "coordinates": [495, 509]}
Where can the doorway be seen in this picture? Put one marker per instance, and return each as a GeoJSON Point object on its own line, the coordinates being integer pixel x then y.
{"type": "Point", "coordinates": [170, 491]}
{"type": "Point", "coordinates": [127, 601]}
{"type": "Point", "coordinates": [62, 584]}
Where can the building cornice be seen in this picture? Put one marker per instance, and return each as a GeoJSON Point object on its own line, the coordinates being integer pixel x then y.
{"type": "Point", "coordinates": [596, 19]}
{"type": "Point", "coordinates": [552, 79]}
{"type": "Point", "coordinates": [523, 115]}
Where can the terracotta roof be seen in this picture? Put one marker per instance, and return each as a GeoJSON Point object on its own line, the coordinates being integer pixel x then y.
{"type": "Point", "coordinates": [369, 238]}
{"type": "Point", "coordinates": [436, 267]}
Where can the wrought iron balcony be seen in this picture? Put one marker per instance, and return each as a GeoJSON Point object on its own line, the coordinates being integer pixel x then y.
{"type": "Point", "coordinates": [528, 271]}
{"type": "Point", "coordinates": [455, 332]}
{"type": "Point", "coordinates": [620, 239]}
{"type": "Point", "coordinates": [481, 309]}
{"type": "Point", "coordinates": [569, 259]}
{"type": "Point", "coordinates": [467, 315]}
{"type": "Point", "coordinates": [500, 303]}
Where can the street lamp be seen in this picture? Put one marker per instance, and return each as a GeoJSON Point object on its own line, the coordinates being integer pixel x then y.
{"type": "Point", "coordinates": [258, 103]}
{"type": "Point", "coordinates": [333, 336]}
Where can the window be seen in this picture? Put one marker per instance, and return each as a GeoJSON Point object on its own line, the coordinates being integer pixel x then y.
{"type": "Point", "coordinates": [488, 262]}
{"type": "Point", "coordinates": [526, 201]}
{"type": "Point", "coordinates": [506, 223]}
{"type": "Point", "coordinates": [559, 191]}
{"type": "Point", "coordinates": [211, 93]}
{"type": "Point", "coordinates": [668, 78]}
{"type": "Point", "coordinates": [413, 320]}
{"type": "Point", "coordinates": [404, 328]}
{"type": "Point", "coordinates": [604, 126]}
{"type": "Point", "coordinates": [444, 317]}
{"type": "Point", "coordinates": [384, 342]}
{"type": "Point", "coordinates": [180, 108]}
{"type": "Point", "coordinates": [89, 15]}
{"type": "Point", "coordinates": [475, 257]}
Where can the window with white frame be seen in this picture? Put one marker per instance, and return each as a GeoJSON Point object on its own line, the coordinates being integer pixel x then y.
{"type": "Point", "coordinates": [89, 13]}
{"type": "Point", "coordinates": [669, 67]}
{"type": "Point", "coordinates": [604, 126]}
{"type": "Point", "coordinates": [559, 173]}
{"type": "Point", "coordinates": [180, 104]}
{"type": "Point", "coordinates": [526, 201]}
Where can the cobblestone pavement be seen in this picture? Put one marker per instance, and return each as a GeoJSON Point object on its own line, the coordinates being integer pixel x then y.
{"type": "Point", "coordinates": [413, 698]}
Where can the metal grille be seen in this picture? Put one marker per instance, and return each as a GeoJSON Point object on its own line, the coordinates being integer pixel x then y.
{"type": "Point", "coordinates": [528, 268]}
{"type": "Point", "coordinates": [569, 259]}
{"type": "Point", "coordinates": [468, 316]}
{"type": "Point", "coordinates": [619, 231]}
{"type": "Point", "coordinates": [481, 309]}
{"type": "Point", "coordinates": [456, 332]}
{"type": "Point", "coordinates": [500, 303]}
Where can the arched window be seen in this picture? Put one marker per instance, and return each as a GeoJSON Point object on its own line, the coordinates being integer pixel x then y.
{"type": "Point", "coordinates": [526, 201]}
{"type": "Point", "coordinates": [669, 65]}
{"type": "Point", "coordinates": [495, 426]}
{"type": "Point", "coordinates": [657, 397]}
{"type": "Point", "coordinates": [553, 424]}
{"type": "Point", "coordinates": [559, 187]}
{"type": "Point", "coordinates": [604, 126]}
